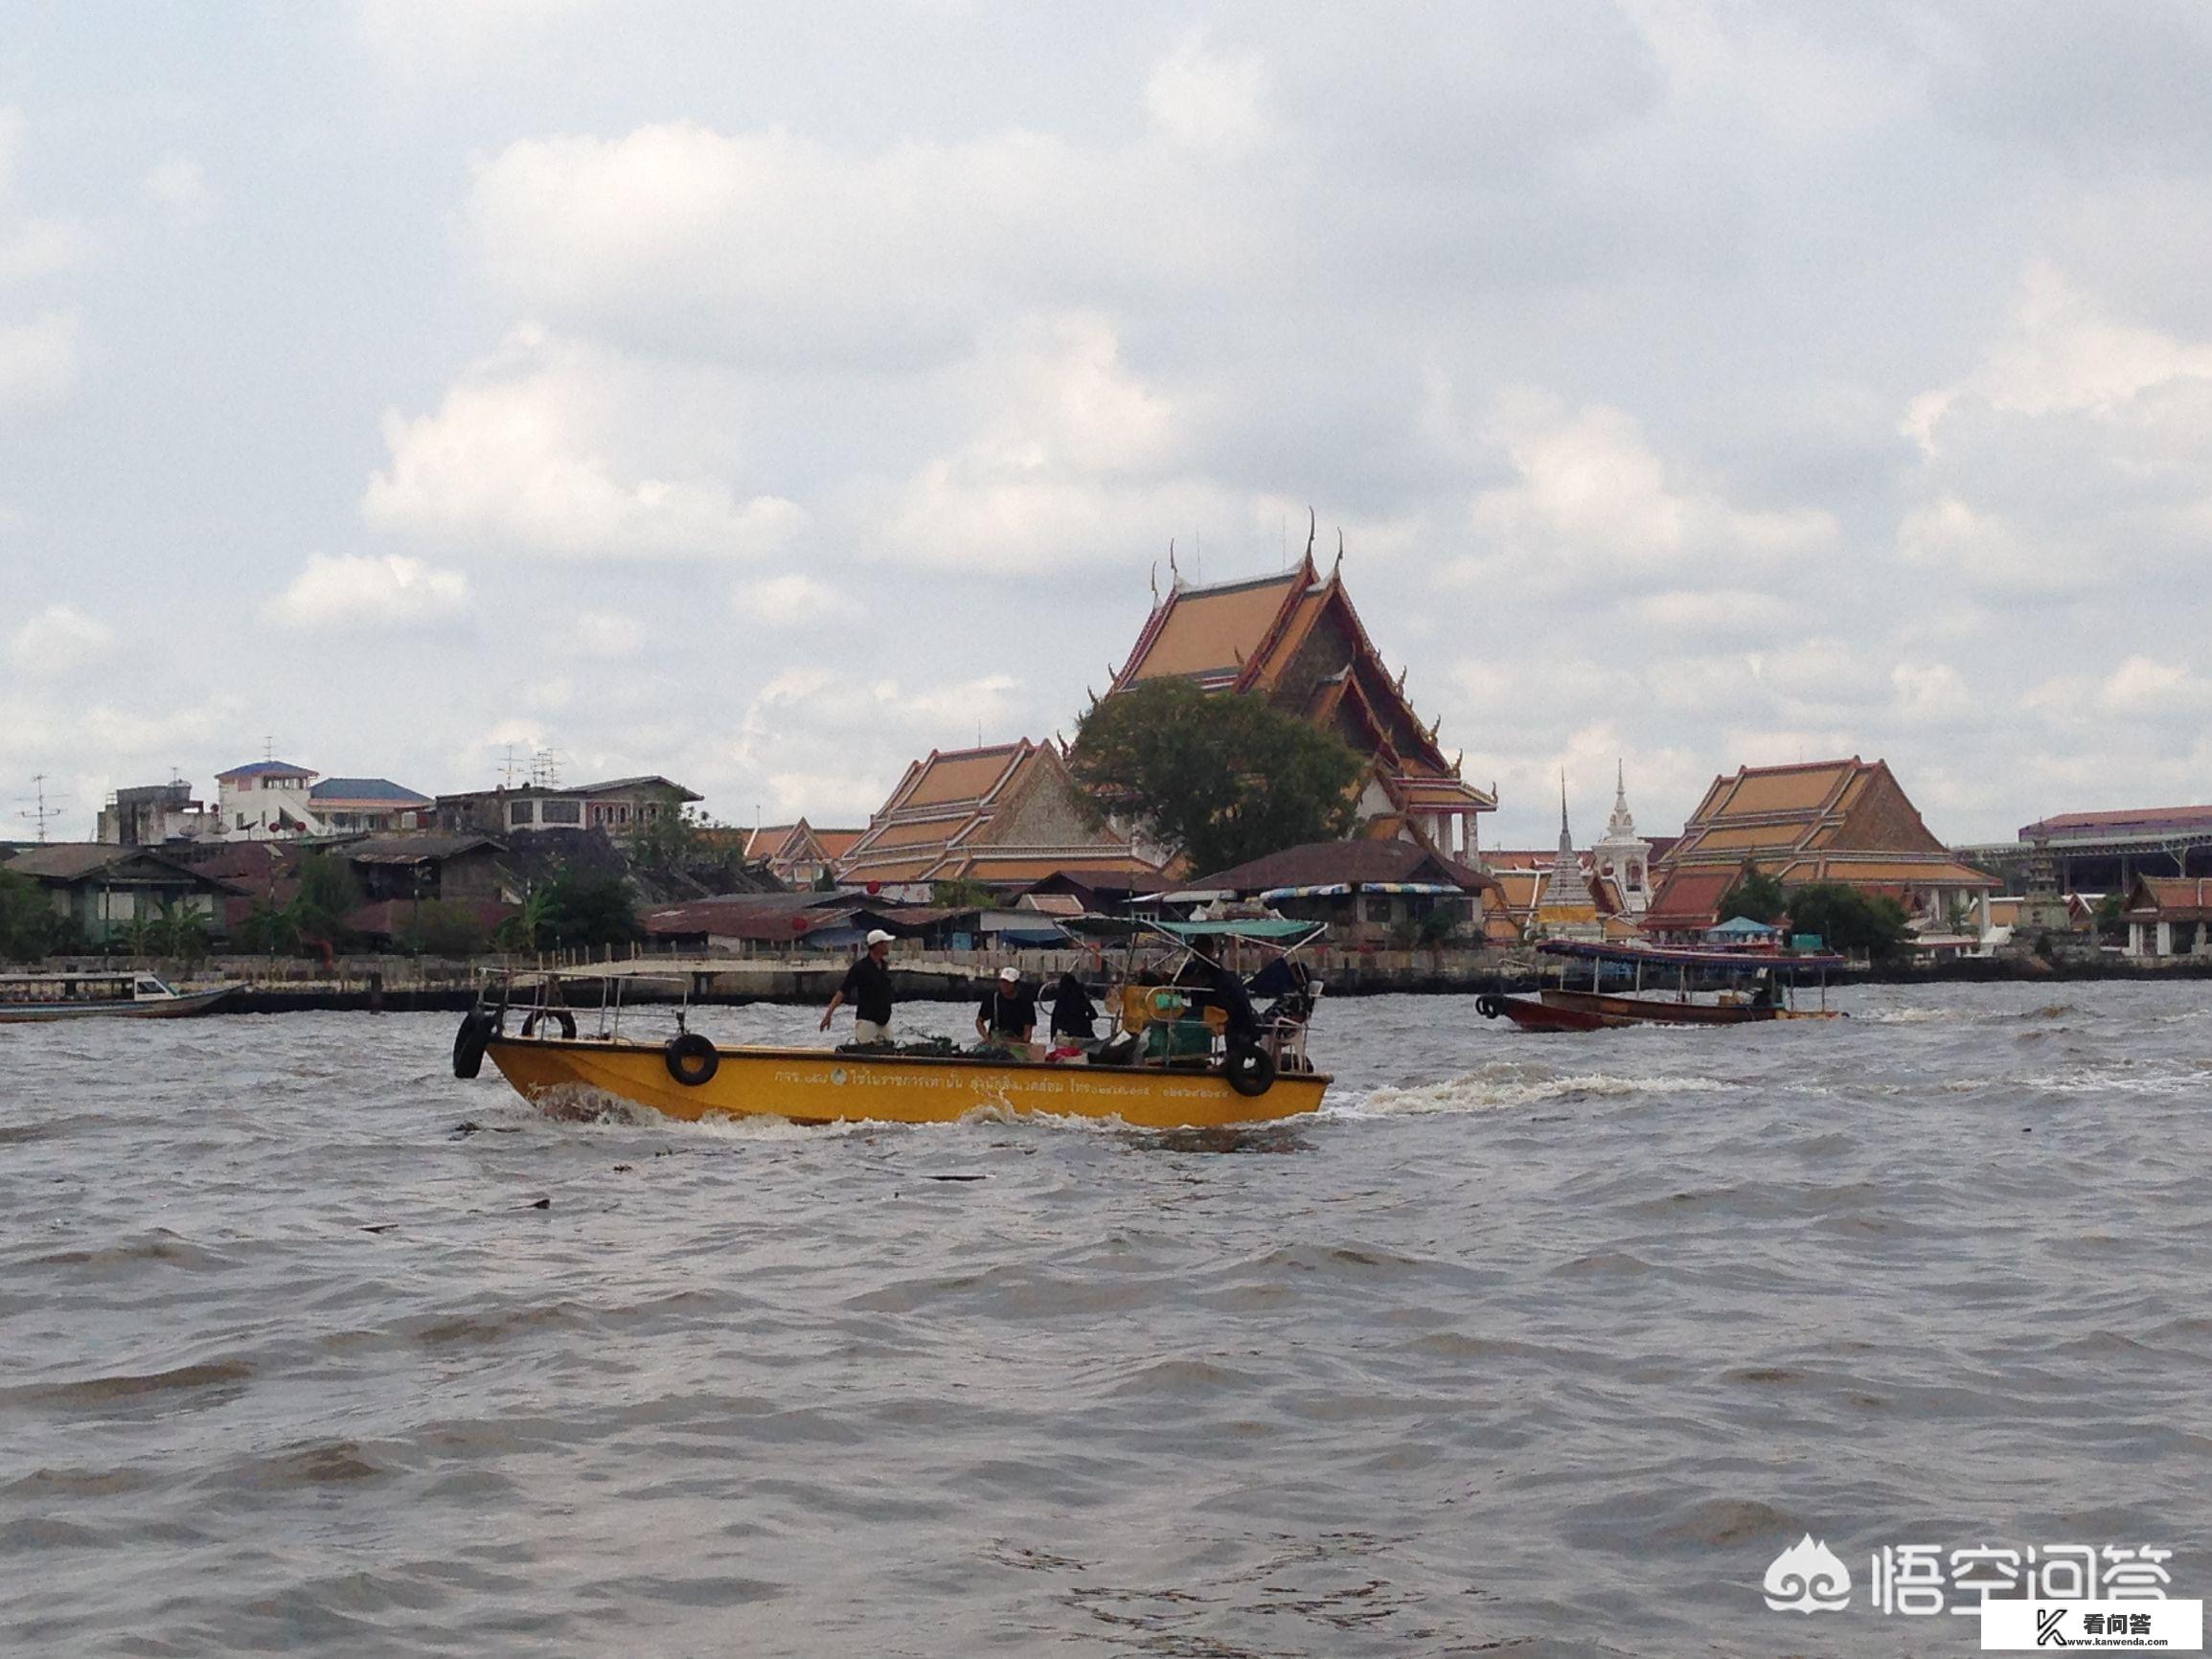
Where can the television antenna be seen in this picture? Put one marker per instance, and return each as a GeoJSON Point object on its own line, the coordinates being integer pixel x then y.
{"type": "Point", "coordinates": [42, 814]}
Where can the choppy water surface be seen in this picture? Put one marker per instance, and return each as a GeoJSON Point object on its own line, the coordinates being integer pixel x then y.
{"type": "Point", "coordinates": [1548, 1344]}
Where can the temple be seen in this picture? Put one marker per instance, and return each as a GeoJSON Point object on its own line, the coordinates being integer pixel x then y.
{"type": "Point", "coordinates": [798, 855]}
{"type": "Point", "coordinates": [1567, 908]}
{"type": "Point", "coordinates": [1839, 821]}
{"type": "Point", "coordinates": [1624, 857]}
{"type": "Point", "coordinates": [1005, 815]}
{"type": "Point", "coordinates": [1296, 640]}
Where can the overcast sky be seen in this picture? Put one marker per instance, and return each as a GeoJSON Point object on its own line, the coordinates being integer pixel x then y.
{"type": "Point", "coordinates": [766, 396]}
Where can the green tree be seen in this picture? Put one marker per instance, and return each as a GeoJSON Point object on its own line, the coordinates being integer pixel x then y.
{"type": "Point", "coordinates": [589, 908]}
{"type": "Point", "coordinates": [180, 931]}
{"type": "Point", "coordinates": [526, 929]}
{"type": "Point", "coordinates": [442, 927]}
{"type": "Point", "coordinates": [327, 895]}
{"type": "Point", "coordinates": [1850, 921]}
{"type": "Point", "coordinates": [1757, 895]}
{"type": "Point", "coordinates": [1221, 778]}
{"type": "Point", "coordinates": [669, 843]}
{"type": "Point", "coordinates": [29, 930]}
{"type": "Point", "coordinates": [269, 926]}
{"type": "Point", "coordinates": [961, 894]}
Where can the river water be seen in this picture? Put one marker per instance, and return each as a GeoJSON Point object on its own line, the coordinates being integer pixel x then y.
{"type": "Point", "coordinates": [1548, 1344]}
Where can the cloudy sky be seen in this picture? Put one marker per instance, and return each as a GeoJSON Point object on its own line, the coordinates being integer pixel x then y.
{"type": "Point", "coordinates": [765, 396]}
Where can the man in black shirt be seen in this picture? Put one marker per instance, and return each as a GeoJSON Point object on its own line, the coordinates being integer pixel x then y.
{"type": "Point", "coordinates": [867, 987]}
{"type": "Point", "coordinates": [1008, 1012]}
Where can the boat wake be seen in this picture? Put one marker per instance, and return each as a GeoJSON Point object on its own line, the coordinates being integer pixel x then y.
{"type": "Point", "coordinates": [1487, 1091]}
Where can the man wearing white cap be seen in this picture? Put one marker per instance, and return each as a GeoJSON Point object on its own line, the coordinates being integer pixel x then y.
{"type": "Point", "coordinates": [1008, 1012]}
{"type": "Point", "coordinates": [867, 987]}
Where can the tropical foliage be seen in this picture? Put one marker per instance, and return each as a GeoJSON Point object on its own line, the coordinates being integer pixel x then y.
{"type": "Point", "coordinates": [30, 929]}
{"type": "Point", "coordinates": [1220, 778]}
{"type": "Point", "coordinates": [1850, 921]}
{"type": "Point", "coordinates": [1756, 897]}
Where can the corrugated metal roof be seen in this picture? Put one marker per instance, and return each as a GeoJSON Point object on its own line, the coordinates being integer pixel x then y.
{"type": "Point", "coordinates": [365, 789]}
{"type": "Point", "coordinates": [1319, 863]}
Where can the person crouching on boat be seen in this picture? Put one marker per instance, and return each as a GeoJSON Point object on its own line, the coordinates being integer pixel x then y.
{"type": "Point", "coordinates": [1007, 1017]}
{"type": "Point", "coordinates": [867, 987]}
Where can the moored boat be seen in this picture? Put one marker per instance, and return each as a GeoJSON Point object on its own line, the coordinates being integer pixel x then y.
{"type": "Point", "coordinates": [1669, 987]}
{"type": "Point", "coordinates": [1182, 1056]}
{"type": "Point", "coordinates": [104, 994]}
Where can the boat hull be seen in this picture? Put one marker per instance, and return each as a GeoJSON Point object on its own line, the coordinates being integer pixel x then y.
{"type": "Point", "coordinates": [1595, 1011]}
{"type": "Point", "coordinates": [818, 1085]}
{"type": "Point", "coordinates": [183, 1006]}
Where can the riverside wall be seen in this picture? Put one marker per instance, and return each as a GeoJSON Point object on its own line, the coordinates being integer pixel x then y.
{"type": "Point", "coordinates": [283, 985]}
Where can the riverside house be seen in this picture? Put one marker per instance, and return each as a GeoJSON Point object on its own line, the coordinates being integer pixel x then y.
{"type": "Point", "coordinates": [105, 889]}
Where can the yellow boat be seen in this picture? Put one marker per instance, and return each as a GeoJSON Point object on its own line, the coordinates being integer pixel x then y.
{"type": "Point", "coordinates": [1177, 1064]}
{"type": "Point", "coordinates": [824, 1086]}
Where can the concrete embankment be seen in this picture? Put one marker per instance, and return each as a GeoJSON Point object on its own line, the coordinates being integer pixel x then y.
{"type": "Point", "coordinates": [398, 983]}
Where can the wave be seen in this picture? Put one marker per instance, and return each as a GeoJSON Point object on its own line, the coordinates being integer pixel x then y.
{"type": "Point", "coordinates": [1478, 1092]}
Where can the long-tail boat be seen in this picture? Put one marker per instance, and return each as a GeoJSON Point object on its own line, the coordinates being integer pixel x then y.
{"type": "Point", "coordinates": [1668, 986]}
{"type": "Point", "coordinates": [111, 993]}
{"type": "Point", "coordinates": [1181, 1059]}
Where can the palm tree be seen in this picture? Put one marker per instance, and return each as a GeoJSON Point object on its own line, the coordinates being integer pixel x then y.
{"type": "Point", "coordinates": [521, 931]}
{"type": "Point", "coordinates": [180, 931]}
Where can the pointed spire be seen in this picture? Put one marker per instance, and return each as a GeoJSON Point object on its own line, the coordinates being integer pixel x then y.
{"type": "Point", "coordinates": [1566, 841]}
{"type": "Point", "coordinates": [1622, 826]}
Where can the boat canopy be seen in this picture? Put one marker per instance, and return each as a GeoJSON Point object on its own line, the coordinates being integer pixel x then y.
{"type": "Point", "coordinates": [1723, 961]}
{"type": "Point", "coordinates": [1344, 889]}
{"type": "Point", "coordinates": [1268, 927]}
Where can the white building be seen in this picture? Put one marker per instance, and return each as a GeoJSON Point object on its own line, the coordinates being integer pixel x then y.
{"type": "Point", "coordinates": [1622, 857]}
{"type": "Point", "coordinates": [265, 801]}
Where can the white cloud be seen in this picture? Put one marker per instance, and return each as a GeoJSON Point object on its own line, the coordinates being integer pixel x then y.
{"type": "Point", "coordinates": [1204, 102]}
{"type": "Point", "coordinates": [1591, 498]}
{"type": "Point", "coordinates": [2062, 354]}
{"type": "Point", "coordinates": [601, 635]}
{"type": "Point", "coordinates": [178, 185]}
{"type": "Point", "coordinates": [1931, 695]}
{"type": "Point", "coordinates": [443, 38]}
{"type": "Point", "coordinates": [2142, 686]}
{"type": "Point", "coordinates": [788, 601]}
{"type": "Point", "coordinates": [1693, 612]}
{"type": "Point", "coordinates": [548, 448]}
{"type": "Point", "coordinates": [781, 247]}
{"type": "Point", "coordinates": [38, 359]}
{"type": "Point", "coordinates": [56, 640]}
{"type": "Point", "coordinates": [1071, 451]}
{"type": "Point", "coordinates": [30, 248]}
{"type": "Point", "coordinates": [370, 592]}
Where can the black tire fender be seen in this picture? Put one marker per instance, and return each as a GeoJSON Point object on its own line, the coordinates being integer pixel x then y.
{"type": "Point", "coordinates": [692, 1059]}
{"type": "Point", "coordinates": [1250, 1071]}
{"type": "Point", "coordinates": [1488, 1006]}
{"type": "Point", "coordinates": [477, 1028]}
{"type": "Point", "coordinates": [551, 1016]}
